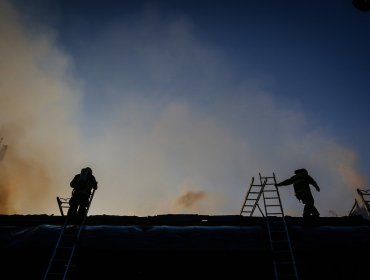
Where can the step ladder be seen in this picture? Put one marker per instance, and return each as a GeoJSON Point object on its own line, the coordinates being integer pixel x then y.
{"type": "Point", "coordinates": [61, 258]}
{"type": "Point", "coordinates": [365, 197]}
{"type": "Point", "coordinates": [282, 253]}
{"type": "Point", "coordinates": [252, 198]}
{"type": "Point", "coordinates": [365, 201]}
{"type": "Point", "coordinates": [63, 203]}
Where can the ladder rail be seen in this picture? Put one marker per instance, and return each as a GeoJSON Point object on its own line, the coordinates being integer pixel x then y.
{"type": "Point", "coordinates": [62, 201]}
{"type": "Point", "coordinates": [270, 239]}
{"type": "Point", "coordinates": [283, 260]}
{"type": "Point", "coordinates": [73, 248]}
{"type": "Point", "coordinates": [78, 236]}
{"type": "Point", "coordinates": [362, 193]}
{"type": "Point", "coordinates": [278, 194]}
{"type": "Point", "coordinates": [246, 197]}
{"type": "Point", "coordinates": [258, 198]}
{"type": "Point", "coordinates": [55, 249]}
{"type": "Point", "coordinates": [277, 197]}
{"type": "Point", "coordinates": [291, 249]}
{"type": "Point", "coordinates": [286, 234]}
{"type": "Point", "coordinates": [255, 199]}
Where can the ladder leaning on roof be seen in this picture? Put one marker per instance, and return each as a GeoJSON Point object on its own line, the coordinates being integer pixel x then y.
{"type": "Point", "coordinates": [280, 244]}
{"type": "Point", "coordinates": [61, 259]}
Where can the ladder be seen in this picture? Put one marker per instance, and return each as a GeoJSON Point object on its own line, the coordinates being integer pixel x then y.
{"type": "Point", "coordinates": [251, 201]}
{"type": "Point", "coordinates": [282, 253]}
{"type": "Point", "coordinates": [61, 258]}
{"type": "Point", "coordinates": [63, 203]}
{"type": "Point", "coordinates": [365, 200]}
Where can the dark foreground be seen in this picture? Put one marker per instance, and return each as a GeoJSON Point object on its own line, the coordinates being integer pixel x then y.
{"type": "Point", "coordinates": [184, 246]}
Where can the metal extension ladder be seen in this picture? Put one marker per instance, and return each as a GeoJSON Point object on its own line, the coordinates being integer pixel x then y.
{"type": "Point", "coordinates": [61, 258]}
{"type": "Point", "coordinates": [280, 244]}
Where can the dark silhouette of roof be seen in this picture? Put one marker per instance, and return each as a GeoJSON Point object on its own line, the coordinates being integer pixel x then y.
{"type": "Point", "coordinates": [171, 246]}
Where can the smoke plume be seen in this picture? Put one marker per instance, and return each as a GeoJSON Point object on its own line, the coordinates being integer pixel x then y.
{"type": "Point", "coordinates": [159, 107]}
{"type": "Point", "coordinates": [190, 199]}
{"type": "Point", "coordinates": [36, 116]}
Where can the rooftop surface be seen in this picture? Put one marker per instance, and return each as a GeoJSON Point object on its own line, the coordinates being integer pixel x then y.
{"type": "Point", "coordinates": [164, 245]}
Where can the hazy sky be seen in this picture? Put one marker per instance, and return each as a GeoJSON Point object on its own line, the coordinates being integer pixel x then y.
{"type": "Point", "coordinates": [176, 105]}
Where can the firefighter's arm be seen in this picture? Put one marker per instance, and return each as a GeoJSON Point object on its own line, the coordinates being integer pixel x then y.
{"type": "Point", "coordinates": [74, 182]}
{"type": "Point", "coordinates": [94, 184]}
{"type": "Point", "coordinates": [313, 183]}
{"type": "Point", "coordinates": [285, 182]}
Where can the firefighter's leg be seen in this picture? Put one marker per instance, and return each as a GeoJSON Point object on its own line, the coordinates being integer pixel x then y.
{"type": "Point", "coordinates": [73, 205]}
{"type": "Point", "coordinates": [314, 211]}
{"type": "Point", "coordinates": [306, 211]}
{"type": "Point", "coordinates": [81, 212]}
{"type": "Point", "coordinates": [309, 207]}
{"type": "Point", "coordinates": [83, 208]}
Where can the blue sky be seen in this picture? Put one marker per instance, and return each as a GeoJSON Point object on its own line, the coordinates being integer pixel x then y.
{"type": "Point", "coordinates": [163, 98]}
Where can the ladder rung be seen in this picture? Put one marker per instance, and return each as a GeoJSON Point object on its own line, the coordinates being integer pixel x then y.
{"type": "Point", "coordinates": [283, 263]}
{"type": "Point", "coordinates": [277, 230]}
{"type": "Point", "coordinates": [282, 252]}
{"type": "Point", "coordinates": [61, 259]}
{"type": "Point", "coordinates": [66, 247]}
{"type": "Point", "coordinates": [286, 275]}
{"type": "Point", "coordinates": [280, 241]}
{"type": "Point", "coordinates": [68, 234]}
{"type": "Point", "coordinates": [279, 213]}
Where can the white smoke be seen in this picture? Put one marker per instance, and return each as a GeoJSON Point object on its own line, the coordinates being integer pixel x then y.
{"type": "Point", "coordinates": [162, 108]}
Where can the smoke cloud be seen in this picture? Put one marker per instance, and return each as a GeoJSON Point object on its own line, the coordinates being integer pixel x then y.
{"type": "Point", "coordinates": [190, 199]}
{"type": "Point", "coordinates": [37, 114]}
{"type": "Point", "coordinates": [151, 107]}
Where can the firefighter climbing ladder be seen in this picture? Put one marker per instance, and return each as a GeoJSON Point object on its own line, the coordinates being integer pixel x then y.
{"type": "Point", "coordinates": [280, 244]}
{"type": "Point", "coordinates": [61, 259]}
